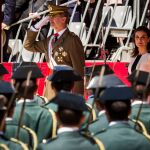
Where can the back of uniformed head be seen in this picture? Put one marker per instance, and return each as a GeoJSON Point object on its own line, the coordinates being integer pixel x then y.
{"type": "Point", "coordinates": [70, 108]}
{"type": "Point", "coordinates": [117, 101]}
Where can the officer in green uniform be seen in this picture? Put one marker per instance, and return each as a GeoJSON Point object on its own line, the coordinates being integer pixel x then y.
{"type": "Point", "coordinates": [63, 78]}
{"type": "Point", "coordinates": [140, 103]}
{"type": "Point", "coordinates": [108, 80]}
{"type": "Point", "coordinates": [5, 142]}
{"type": "Point", "coordinates": [90, 87]}
{"type": "Point", "coordinates": [89, 73]}
{"type": "Point", "coordinates": [119, 134]}
{"type": "Point", "coordinates": [40, 99]}
{"type": "Point", "coordinates": [11, 128]}
{"type": "Point", "coordinates": [34, 117]}
{"type": "Point", "coordinates": [70, 117]}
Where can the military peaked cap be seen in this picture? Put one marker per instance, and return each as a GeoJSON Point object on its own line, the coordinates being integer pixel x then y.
{"type": "Point", "coordinates": [116, 94]}
{"type": "Point", "coordinates": [53, 9]}
{"type": "Point", "coordinates": [110, 80]}
{"type": "Point", "coordinates": [22, 71]}
{"type": "Point", "coordinates": [62, 73]}
{"type": "Point", "coordinates": [70, 101]}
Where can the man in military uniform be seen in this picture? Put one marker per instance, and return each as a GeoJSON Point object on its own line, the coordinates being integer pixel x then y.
{"type": "Point", "coordinates": [63, 47]}
{"type": "Point", "coordinates": [11, 128]}
{"type": "Point", "coordinates": [70, 117]}
{"type": "Point", "coordinates": [119, 134]}
{"type": "Point", "coordinates": [34, 116]}
{"type": "Point", "coordinates": [63, 78]}
{"type": "Point", "coordinates": [108, 80]}
{"type": "Point", "coordinates": [5, 142]}
{"type": "Point", "coordinates": [140, 103]}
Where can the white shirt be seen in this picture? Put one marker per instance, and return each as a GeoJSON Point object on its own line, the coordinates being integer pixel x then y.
{"type": "Point", "coordinates": [27, 101]}
{"type": "Point", "coordinates": [60, 32]}
{"type": "Point", "coordinates": [143, 62]}
{"type": "Point", "coordinates": [67, 129]}
{"type": "Point", "coordinates": [52, 62]}
{"type": "Point", "coordinates": [136, 102]}
{"type": "Point", "coordinates": [8, 119]}
{"type": "Point", "coordinates": [101, 112]}
{"type": "Point", "coordinates": [116, 122]}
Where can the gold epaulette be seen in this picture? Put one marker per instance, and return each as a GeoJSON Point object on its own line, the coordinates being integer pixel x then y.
{"type": "Point", "coordinates": [92, 111]}
{"type": "Point", "coordinates": [34, 136]}
{"type": "Point", "coordinates": [23, 145]}
{"type": "Point", "coordinates": [4, 147]}
{"type": "Point", "coordinates": [99, 143]}
{"type": "Point", "coordinates": [54, 126]}
{"type": "Point", "coordinates": [94, 139]}
{"type": "Point", "coordinates": [142, 126]}
{"type": "Point", "coordinates": [44, 99]}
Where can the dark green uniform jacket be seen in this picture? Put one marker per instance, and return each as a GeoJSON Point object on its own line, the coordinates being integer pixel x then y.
{"type": "Point", "coordinates": [144, 114]}
{"type": "Point", "coordinates": [11, 131]}
{"type": "Point", "coordinates": [121, 136]}
{"type": "Point", "coordinates": [36, 118]}
{"type": "Point", "coordinates": [99, 124]}
{"type": "Point", "coordinates": [50, 105]}
{"type": "Point", "coordinates": [69, 141]}
{"type": "Point", "coordinates": [9, 144]}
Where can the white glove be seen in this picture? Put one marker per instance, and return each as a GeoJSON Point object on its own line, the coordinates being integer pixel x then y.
{"type": "Point", "coordinates": [42, 22]}
{"type": "Point", "coordinates": [34, 16]}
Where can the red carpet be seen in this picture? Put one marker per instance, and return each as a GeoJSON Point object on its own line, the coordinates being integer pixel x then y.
{"type": "Point", "coordinates": [119, 69]}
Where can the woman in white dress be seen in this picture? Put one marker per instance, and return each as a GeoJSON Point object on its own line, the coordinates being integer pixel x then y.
{"type": "Point", "coordinates": [140, 58]}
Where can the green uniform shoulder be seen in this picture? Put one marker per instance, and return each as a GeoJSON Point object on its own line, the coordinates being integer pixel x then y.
{"type": "Point", "coordinates": [22, 145]}
{"type": "Point", "coordinates": [88, 135]}
{"type": "Point", "coordinates": [93, 140]}
{"type": "Point", "coordinates": [94, 121]}
{"type": "Point", "coordinates": [101, 131]}
{"type": "Point", "coordinates": [46, 141]}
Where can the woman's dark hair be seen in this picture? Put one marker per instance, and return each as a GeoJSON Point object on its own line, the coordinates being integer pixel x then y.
{"type": "Point", "coordinates": [147, 31]}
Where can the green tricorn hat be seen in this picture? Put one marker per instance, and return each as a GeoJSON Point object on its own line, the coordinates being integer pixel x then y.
{"type": "Point", "coordinates": [54, 10]}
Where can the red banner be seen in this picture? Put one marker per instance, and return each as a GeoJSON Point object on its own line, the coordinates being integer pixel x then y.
{"type": "Point", "coordinates": [119, 69]}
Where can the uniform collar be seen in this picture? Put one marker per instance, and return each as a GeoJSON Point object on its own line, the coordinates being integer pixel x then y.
{"type": "Point", "coordinates": [67, 129]}
{"type": "Point", "coordinates": [9, 119]}
{"type": "Point", "coordinates": [27, 101]}
{"type": "Point", "coordinates": [101, 112]}
{"type": "Point", "coordinates": [137, 102]}
{"type": "Point", "coordinates": [112, 123]}
{"type": "Point", "coordinates": [60, 32]}
{"type": "Point", "coordinates": [91, 96]}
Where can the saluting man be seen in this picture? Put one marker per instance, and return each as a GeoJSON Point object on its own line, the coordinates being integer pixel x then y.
{"type": "Point", "coordinates": [63, 47]}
